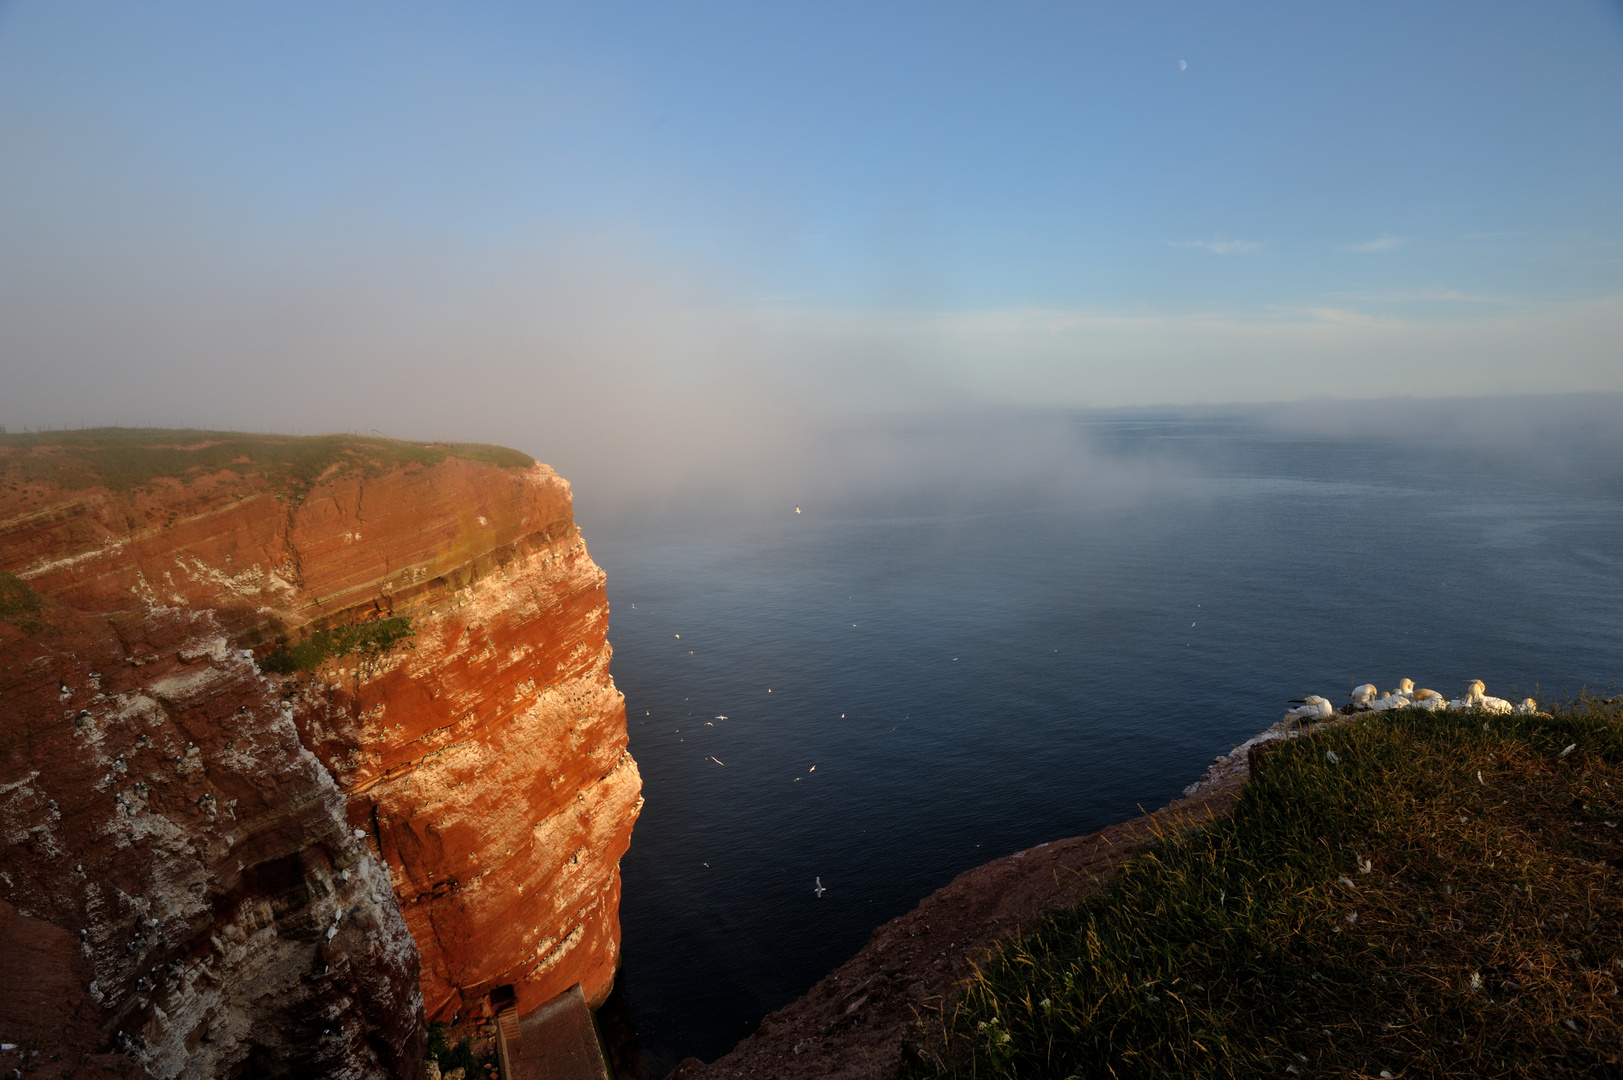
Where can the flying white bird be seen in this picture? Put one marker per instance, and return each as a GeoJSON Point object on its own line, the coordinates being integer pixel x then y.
{"type": "Point", "coordinates": [797, 509]}
{"type": "Point", "coordinates": [819, 890]}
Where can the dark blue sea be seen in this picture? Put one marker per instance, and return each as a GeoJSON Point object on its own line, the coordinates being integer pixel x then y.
{"type": "Point", "coordinates": [982, 633]}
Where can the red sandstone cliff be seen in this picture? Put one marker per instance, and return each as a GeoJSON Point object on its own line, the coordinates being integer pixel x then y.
{"type": "Point", "coordinates": [469, 784]}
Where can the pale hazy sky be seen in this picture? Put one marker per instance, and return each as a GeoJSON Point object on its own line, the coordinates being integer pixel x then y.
{"type": "Point", "coordinates": [459, 220]}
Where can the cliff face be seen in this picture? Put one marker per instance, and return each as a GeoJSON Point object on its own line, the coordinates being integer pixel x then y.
{"type": "Point", "coordinates": [168, 819]}
{"type": "Point", "coordinates": [296, 698]}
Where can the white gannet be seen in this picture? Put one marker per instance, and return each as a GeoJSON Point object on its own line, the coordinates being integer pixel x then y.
{"type": "Point", "coordinates": [1470, 699]}
{"type": "Point", "coordinates": [1312, 707]}
{"type": "Point", "coordinates": [1479, 700]}
{"type": "Point", "coordinates": [1528, 707]}
{"type": "Point", "coordinates": [819, 890]}
{"type": "Point", "coordinates": [1430, 700]}
{"type": "Point", "coordinates": [1362, 697]}
{"type": "Point", "coordinates": [1396, 699]}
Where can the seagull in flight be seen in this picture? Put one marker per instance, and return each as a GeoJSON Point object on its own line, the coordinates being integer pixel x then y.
{"type": "Point", "coordinates": [819, 890]}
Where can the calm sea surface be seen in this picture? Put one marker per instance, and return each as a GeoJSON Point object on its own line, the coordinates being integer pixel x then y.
{"type": "Point", "coordinates": [975, 670]}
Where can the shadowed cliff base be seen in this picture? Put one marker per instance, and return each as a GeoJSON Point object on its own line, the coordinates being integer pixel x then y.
{"type": "Point", "coordinates": [1420, 894]}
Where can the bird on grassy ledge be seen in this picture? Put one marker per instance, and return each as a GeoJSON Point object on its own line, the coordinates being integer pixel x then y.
{"type": "Point", "coordinates": [1396, 699]}
{"type": "Point", "coordinates": [1430, 700]}
{"type": "Point", "coordinates": [1477, 699]}
{"type": "Point", "coordinates": [1528, 707]}
{"type": "Point", "coordinates": [1362, 697]}
{"type": "Point", "coordinates": [1312, 707]}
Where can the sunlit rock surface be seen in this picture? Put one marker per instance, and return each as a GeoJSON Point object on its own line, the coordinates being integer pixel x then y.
{"type": "Point", "coordinates": [327, 851]}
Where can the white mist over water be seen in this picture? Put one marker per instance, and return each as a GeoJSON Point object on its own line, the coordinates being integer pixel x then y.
{"type": "Point", "coordinates": [1001, 458]}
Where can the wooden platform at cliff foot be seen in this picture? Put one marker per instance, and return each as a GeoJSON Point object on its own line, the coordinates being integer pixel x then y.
{"type": "Point", "coordinates": [555, 1042]}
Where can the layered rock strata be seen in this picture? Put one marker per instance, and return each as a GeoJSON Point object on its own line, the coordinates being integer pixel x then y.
{"type": "Point", "coordinates": [335, 711]}
{"type": "Point", "coordinates": [168, 818]}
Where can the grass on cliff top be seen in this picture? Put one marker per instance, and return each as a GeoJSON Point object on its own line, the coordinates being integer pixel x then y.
{"type": "Point", "coordinates": [124, 458]}
{"type": "Point", "coordinates": [1410, 895]}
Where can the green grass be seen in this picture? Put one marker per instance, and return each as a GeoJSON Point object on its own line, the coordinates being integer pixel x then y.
{"type": "Point", "coordinates": [18, 603]}
{"type": "Point", "coordinates": [371, 640]}
{"type": "Point", "coordinates": [124, 458]}
{"type": "Point", "coordinates": [1442, 897]}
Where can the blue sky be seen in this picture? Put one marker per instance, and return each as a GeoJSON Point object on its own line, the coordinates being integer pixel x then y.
{"type": "Point", "coordinates": [863, 206]}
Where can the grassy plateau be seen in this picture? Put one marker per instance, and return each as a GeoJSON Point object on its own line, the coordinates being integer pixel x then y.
{"type": "Point", "coordinates": [121, 459]}
{"type": "Point", "coordinates": [1408, 894]}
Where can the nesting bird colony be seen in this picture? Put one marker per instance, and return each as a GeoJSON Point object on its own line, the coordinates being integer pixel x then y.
{"type": "Point", "coordinates": [1367, 698]}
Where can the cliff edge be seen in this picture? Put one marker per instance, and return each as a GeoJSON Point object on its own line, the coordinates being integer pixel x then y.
{"type": "Point", "coordinates": [304, 739]}
{"type": "Point", "coordinates": [863, 1019]}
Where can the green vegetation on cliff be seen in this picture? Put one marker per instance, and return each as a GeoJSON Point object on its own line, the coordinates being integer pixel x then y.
{"type": "Point", "coordinates": [1409, 894]}
{"type": "Point", "coordinates": [18, 602]}
{"type": "Point", "coordinates": [124, 458]}
{"type": "Point", "coordinates": [370, 640]}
